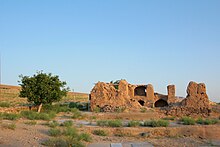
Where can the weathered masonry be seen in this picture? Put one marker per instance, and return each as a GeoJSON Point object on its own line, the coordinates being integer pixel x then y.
{"type": "Point", "coordinates": [109, 97]}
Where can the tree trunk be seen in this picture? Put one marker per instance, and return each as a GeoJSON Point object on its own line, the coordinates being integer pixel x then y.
{"type": "Point", "coordinates": [39, 108]}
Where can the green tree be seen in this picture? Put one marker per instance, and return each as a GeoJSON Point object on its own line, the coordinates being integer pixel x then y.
{"type": "Point", "coordinates": [42, 88]}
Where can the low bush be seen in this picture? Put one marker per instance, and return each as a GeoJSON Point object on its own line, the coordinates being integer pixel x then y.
{"type": "Point", "coordinates": [143, 110]}
{"type": "Point", "coordinates": [119, 109]}
{"type": "Point", "coordinates": [53, 124]}
{"type": "Point", "coordinates": [38, 116]}
{"type": "Point", "coordinates": [102, 123]}
{"type": "Point", "coordinates": [76, 114]}
{"type": "Point", "coordinates": [156, 123]}
{"type": "Point", "coordinates": [30, 122]}
{"type": "Point", "coordinates": [72, 132]}
{"type": "Point", "coordinates": [100, 132]}
{"type": "Point", "coordinates": [56, 142]}
{"type": "Point", "coordinates": [54, 132]}
{"type": "Point", "coordinates": [188, 121]}
{"type": "Point", "coordinates": [9, 116]}
{"type": "Point", "coordinates": [115, 123]}
{"type": "Point", "coordinates": [169, 118]}
{"type": "Point", "coordinates": [110, 123]}
{"type": "Point", "coordinates": [85, 137]}
{"type": "Point", "coordinates": [206, 121]}
{"type": "Point", "coordinates": [134, 123]}
{"type": "Point", "coordinates": [5, 104]}
{"type": "Point", "coordinates": [63, 142]}
{"type": "Point", "coordinates": [55, 108]}
{"type": "Point", "coordinates": [9, 126]}
{"type": "Point", "coordinates": [79, 105]}
{"type": "Point", "coordinates": [121, 133]}
{"type": "Point", "coordinates": [67, 123]}
{"type": "Point", "coordinates": [97, 110]}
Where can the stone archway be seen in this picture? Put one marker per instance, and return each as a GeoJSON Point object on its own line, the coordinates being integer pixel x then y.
{"type": "Point", "coordinates": [161, 103]}
{"type": "Point", "coordinates": [140, 91]}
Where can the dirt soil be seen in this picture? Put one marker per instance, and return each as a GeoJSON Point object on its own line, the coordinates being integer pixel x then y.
{"type": "Point", "coordinates": [26, 135]}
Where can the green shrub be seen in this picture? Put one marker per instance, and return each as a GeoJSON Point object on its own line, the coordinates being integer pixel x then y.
{"type": "Point", "coordinates": [169, 118]}
{"type": "Point", "coordinates": [122, 133]}
{"type": "Point", "coordinates": [30, 122]}
{"type": "Point", "coordinates": [9, 116]}
{"type": "Point", "coordinates": [4, 104]}
{"type": "Point", "coordinates": [156, 123]}
{"type": "Point", "coordinates": [102, 123]}
{"type": "Point", "coordinates": [53, 124]}
{"type": "Point", "coordinates": [188, 121]}
{"type": "Point", "coordinates": [206, 121]}
{"type": "Point", "coordinates": [100, 132]}
{"type": "Point", "coordinates": [77, 114]}
{"type": "Point", "coordinates": [54, 132]}
{"type": "Point", "coordinates": [79, 105]}
{"type": "Point", "coordinates": [37, 116]}
{"type": "Point", "coordinates": [119, 109]}
{"type": "Point", "coordinates": [56, 142]}
{"type": "Point", "coordinates": [134, 123]}
{"type": "Point", "coordinates": [69, 131]}
{"type": "Point", "coordinates": [85, 137]}
{"type": "Point", "coordinates": [56, 108]}
{"type": "Point", "coordinates": [110, 123]}
{"type": "Point", "coordinates": [143, 110]}
{"type": "Point", "coordinates": [97, 110]}
{"type": "Point", "coordinates": [67, 123]}
{"type": "Point", "coordinates": [11, 126]}
{"type": "Point", "coordinates": [115, 123]}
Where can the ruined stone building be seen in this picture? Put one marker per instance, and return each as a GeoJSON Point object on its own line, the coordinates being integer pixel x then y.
{"type": "Point", "coordinates": [109, 97]}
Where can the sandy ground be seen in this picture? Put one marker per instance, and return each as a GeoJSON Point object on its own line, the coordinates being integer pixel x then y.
{"type": "Point", "coordinates": [26, 135]}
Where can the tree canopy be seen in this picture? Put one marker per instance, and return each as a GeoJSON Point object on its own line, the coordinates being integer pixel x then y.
{"type": "Point", "coordinates": [42, 88]}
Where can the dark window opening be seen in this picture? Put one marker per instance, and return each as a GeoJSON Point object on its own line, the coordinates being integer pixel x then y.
{"type": "Point", "coordinates": [141, 102]}
{"type": "Point", "coordinates": [140, 91]}
{"type": "Point", "coordinates": [161, 103]}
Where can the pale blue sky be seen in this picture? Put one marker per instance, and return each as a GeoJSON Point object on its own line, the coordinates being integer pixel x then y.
{"type": "Point", "coordinates": [84, 41]}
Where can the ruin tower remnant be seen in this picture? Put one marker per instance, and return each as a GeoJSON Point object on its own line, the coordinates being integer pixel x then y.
{"type": "Point", "coordinates": [171, 89]}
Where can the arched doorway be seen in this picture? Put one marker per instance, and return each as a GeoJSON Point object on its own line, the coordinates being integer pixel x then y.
{"type": "Point", "coordinates": [161, 103]}
{"type": "Point", "coordinates": [140, 91]}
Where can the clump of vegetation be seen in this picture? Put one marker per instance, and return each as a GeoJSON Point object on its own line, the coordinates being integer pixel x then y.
{"type": "Point", "coordinates": [53, 124]}
{"type": "Point", "coordinates": [55, 108]}
{"type": "Point", "coordinates": [97, 110]}
{"type": "Point", "coordinates": [143, 110]}
{"type": "Point", "coordinates": [54, 132]}
{"type": "Point", "coordinates": [169, 118]}
{"type": "Point", "coordinates": [5, 104]}
{"type": "Point", "coordinates": [85, 137]}
{"type": "Point", "coordinates": [121, 133]}
{"type": "Point", "coordinates": [110, 123]}
{"type": "Point", "coordinates": [188, 121]}
{"type": "Point", "coordinates": [206, 121]}
{"type": "Point", "coordinates": [100, 132]}
{"type": "Point", "coordinates": [9, 116]}
{"type": "Point", "coordinates": [77, 114]}
{"type": "Point", "coordinates": [11, 126]}
{"type": "Point", "coordinates": [67, 123]}
{"type": "Point", "coordinates": [31, 122]}
{"type": "Point", "coordinates": [156, 123]}
{"type": "Point", "coordinates": [115, 123]}
{"type": "Point", "coordinates": [102, 123]}
{"type": "Point", "coordinates": [134, 123]}
{"type": "Point", "coordinates": [37, 116]}
{"type": "Point", "coordinates": [56, 142]}
{"type": "Point", "coordinates": [79, 105]}
{"type": "Point", "coordinates": [70, 131]}
{"type": "Point", "coordinates": [119, 109]}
